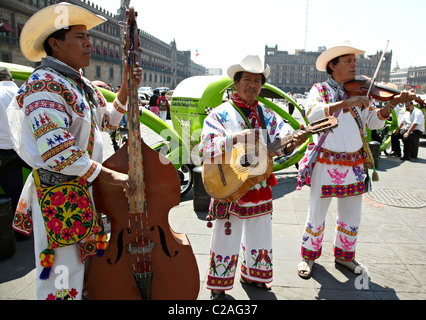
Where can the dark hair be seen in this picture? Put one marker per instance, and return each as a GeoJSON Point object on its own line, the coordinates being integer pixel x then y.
{"type": "Point", "coordinates": [59, 34]}
{"type": "Point", "coordinates": [334, 62]}
{"type": "Point", "coordinates": [239, 75]}
{"type": "Point", "coordinates": [5, 75]}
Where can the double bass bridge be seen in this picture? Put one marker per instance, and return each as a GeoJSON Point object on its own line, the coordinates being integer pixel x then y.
{"type": "Point", "coordinates": [134, 249]}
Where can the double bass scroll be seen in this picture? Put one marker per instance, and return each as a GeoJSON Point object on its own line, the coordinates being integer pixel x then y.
{"type": "Point", "coordinates": [145, 259]}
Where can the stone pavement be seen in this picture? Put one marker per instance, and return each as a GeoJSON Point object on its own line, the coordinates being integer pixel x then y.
{"type": "Point", "coordinates": [392, 243]}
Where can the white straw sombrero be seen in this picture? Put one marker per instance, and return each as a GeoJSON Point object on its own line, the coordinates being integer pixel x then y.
{"type": "Point", "coordinates": [251, 64]}
{"type": "Point", "coordinates": [341, 49]}
{"type": "Point", "coordinates": [50, 19]}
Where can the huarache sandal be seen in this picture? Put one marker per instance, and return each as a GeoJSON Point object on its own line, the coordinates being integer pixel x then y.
{"type": "Point", "coordinates": [304, 268]}
{"type": "Point", "coordinates": [352, 265]}
{"type": "Point", "coordinates": [260, 285]}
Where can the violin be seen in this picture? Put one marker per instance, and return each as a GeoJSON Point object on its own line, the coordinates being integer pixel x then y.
{"type": "Point", "coordinates": [381, 91]}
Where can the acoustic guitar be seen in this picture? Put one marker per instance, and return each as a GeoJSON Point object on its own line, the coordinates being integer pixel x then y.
{"type": "Point", "coordinates": [231, 175]}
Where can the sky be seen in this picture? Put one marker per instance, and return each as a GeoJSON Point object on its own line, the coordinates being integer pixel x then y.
{"type": "Point", "coordinates": [225, 31]}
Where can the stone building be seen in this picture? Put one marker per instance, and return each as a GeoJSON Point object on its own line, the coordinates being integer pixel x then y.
{"type": "Point", "coordinates": [416, 79]}
{"type": "Point", "coordinates": [297, 72]}
{"type": "Point", "coordinates": [163, 64]}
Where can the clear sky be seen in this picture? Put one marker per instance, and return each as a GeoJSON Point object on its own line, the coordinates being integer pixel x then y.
{"type": "Point", "coordinates": [224, 31]}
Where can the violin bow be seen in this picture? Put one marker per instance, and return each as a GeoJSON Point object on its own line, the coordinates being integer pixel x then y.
{"type": "Point", "coordinates": [377, 70]}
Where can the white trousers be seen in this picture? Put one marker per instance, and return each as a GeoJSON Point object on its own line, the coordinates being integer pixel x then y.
{"type": "Point", "coordinates": [347, 223]}
{"type": "Point", "coordinates": [234, 238]}
{"type": "Point", "coordinates": [163, 115]}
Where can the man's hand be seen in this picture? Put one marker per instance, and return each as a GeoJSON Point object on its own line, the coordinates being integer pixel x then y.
{"type": "Point", "coordinates": [404, 97]}
{"type": "Point", "coordinates": [118, 179]}
{"type": "Point", "coordinates": [246, 136]}
{"type": "Point", "coordinates": [358, 101]}
{"type": "Point", "coordinates": [124, 92]}
{"type": "Point", "coordinates": [299, 138]}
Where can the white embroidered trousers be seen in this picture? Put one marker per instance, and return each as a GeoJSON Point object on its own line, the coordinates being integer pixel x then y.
{"type": "Point", "coordinates": [247, 239]}
{"type": "Point", "coordinates": [347, 223]}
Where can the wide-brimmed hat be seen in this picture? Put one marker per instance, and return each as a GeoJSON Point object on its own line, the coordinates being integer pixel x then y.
{"type": "Point", "coordinates": [50, 19]}
{"type": "Point", "coordinates": [251, 64]}
{"type": "Point", "coordinates": [341, 49]}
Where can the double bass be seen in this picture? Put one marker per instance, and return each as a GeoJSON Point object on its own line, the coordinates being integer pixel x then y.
{"type": "Point", "coordinates": [145, 259]}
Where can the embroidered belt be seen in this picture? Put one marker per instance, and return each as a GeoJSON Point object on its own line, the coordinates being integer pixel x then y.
{"type": "Point", "coordinates": [348, 159]}
{"type": "Point", "coordinates": [50, 178]}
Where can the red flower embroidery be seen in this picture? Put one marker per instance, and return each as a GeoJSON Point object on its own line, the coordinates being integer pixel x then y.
{"type": "Point", "coordinates": [83, 203]}
{"type": "Point", "coordinates": [87, 215]}
{"type": "Point", "coordinates": [58, 199]}
{"type": "Point", "coordinates": [55, 225]}
{"type": "Point", "coordinates": [67, 234]}
{"type": "Point", "coordinates": [50, 211]}
{"type": "Point", "coordinates": [72, 196]}
{"type": "Point", "coordinates": [78, 229]}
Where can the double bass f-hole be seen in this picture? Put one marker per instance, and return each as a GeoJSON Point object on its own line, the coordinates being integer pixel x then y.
{"type": "Point", "coordinates": [120, 247]}
{"type": "Point", "coordinates": [163, 242]}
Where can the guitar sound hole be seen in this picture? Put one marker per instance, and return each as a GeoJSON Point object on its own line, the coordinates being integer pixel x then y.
{"type": "Point", "coordinates": [246, 160]}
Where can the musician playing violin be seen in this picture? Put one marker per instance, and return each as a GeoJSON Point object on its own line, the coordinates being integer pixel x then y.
{"type": "Point", "coordinates": [341, 168]}
{"type": "Point", "coordinates": [244, 224]}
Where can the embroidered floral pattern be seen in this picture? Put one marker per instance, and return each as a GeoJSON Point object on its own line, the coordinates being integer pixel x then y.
{"type": "Point", "coordinates": [348, 159]}
{"type": "Point", "coordinates": [343, 254]}
{"type": "Point", "coordinates": [63, 295]}
{"type": "Point", "coordinates": [221, 271]}
{"type": "Point", "coordinates": [341, 191]}
{"type": "Point", "coordinates": [310, 254]}
{"type": "Point", "coordinates": [258, 266]}
{"type": "Point", "coordinates": [69, 216]}
{"type": "Point", "coordinates": [22, 219]}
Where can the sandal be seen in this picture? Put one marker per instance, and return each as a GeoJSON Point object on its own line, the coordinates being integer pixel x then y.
{"type": "Point", "coordinates": [260, 285]}
{"type": "Point", "coordinates": [217, 295]}
{"type": "Point", "coordinates": [304, 268]}
{"type": "Point", "coordinates": [352, 265]}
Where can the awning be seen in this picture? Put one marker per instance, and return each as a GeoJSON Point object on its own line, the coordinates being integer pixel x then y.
{"type": "Point", "coordinates": [5, 26]}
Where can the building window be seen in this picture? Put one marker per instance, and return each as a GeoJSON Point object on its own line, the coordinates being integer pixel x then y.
{"type": "Point", "coordinates": [98, 71]}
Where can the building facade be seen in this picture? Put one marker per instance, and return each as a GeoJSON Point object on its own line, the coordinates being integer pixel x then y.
{"type": "Point", "coordinates": [297, 72]}
{"type": "Point", "coordinates": [163, 64]}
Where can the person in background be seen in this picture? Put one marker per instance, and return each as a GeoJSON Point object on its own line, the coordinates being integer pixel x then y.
{"type": "Point", "coordinates": [291, 105]}
{"type": "Point", "coordinates": [163, 105]}
{"type": "Point", "coordinates": [153, 102]}
{"type": "Point", "coordinates": [11, 165]}
{"type": "Point", "coordinates": [410, 128]}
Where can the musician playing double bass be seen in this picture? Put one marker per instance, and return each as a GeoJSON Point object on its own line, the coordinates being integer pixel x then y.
{"type": "Point", "coordinates": [340, 171]}
{"type": "Point", "coordinates": [242, 229]}
{"type": "Point", "coordinates": [61, 114]}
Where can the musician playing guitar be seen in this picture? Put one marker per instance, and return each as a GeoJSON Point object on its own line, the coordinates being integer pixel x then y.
{"type": "Point", "coordinates": [247, 220]}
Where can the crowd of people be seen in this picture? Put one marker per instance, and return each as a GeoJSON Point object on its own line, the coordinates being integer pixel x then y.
{"type": "Point", "coordinates": [56, 116]}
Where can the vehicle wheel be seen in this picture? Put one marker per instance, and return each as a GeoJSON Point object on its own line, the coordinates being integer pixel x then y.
{"type": "Point", "coordinates": [185, 178]}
